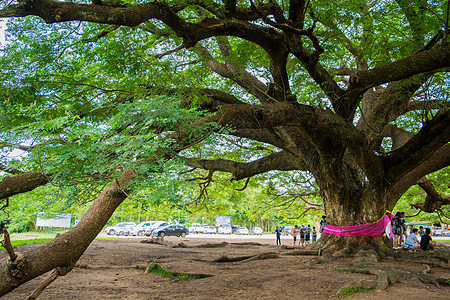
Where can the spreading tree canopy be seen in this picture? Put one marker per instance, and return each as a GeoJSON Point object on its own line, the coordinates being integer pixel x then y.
{"type": "Point", "coordinates": [354, 92]}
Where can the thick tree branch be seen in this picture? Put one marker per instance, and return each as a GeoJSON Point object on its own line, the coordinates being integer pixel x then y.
{"type": "Point", "coordinates": [424, 61]}
{"type": "Point", "coordinates": [229, 70]}
{"type": "Point", "coordinates": [314, 122]}
{"type": "Point", "coordinates": [54, 12]}
{"type": "Point", "coordinates": [438, 160]}
{"type": "Point", "coordinates": [282, 161]}
{"type": "Point", "coordinates": [13, 185]}
{"type": "Point", "coordinates": [433, 201]}
{"type": "Point", "coordinates": [433, 135]}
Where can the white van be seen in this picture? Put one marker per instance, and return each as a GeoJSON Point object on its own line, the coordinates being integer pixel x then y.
{"type": "Point", "coordinates": [196, 228]}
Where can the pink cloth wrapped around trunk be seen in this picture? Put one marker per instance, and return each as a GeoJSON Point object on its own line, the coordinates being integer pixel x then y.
{"type": "Point", "coordinates": [370, 229]}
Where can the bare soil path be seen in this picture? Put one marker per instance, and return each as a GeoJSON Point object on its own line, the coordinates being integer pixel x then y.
{"type": "Point", "coordinates": [115, 269]}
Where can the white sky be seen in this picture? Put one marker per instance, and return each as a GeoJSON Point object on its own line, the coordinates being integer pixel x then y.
{"type": "Point", "coordinates": [2, 33]}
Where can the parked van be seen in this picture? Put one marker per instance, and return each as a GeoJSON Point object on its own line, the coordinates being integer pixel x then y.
{"type": "Point", "coordinates": [196, 228]}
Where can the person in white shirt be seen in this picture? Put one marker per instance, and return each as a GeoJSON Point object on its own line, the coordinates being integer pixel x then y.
{"type": "Point", "coordinates": [412, 242]}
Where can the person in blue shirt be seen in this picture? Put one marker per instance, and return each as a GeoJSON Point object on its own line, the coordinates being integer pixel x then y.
{"type": "Point", "coordinates": [307, 235]}
{"type": "Point", "coordinates": [323, 223]}
{"type": "Point", "coordinates": [278, 234]}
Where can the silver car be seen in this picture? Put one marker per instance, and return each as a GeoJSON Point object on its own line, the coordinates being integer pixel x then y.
{"type": "Point", "coordinates": [120, 228]}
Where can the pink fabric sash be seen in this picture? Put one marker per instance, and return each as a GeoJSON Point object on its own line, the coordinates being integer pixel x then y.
{"type": "Point", "coordinates": [370, 229]}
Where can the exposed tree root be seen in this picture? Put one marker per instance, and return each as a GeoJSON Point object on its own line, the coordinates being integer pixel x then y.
{"type": "Point", "coordinates": [225, 258]}
{"type": "Point", "coordinates": [267, 255]}
{"type": "Point", "coordinates": [367, 262]}
{"type": "Point", "coordinates": [304, 252]}
{"type": "Point", "coordinates": [440, 255]}
{"type": "Point", "coordinates": [213, 245]}
{"type": "Point", "coordinates": [158, 240]}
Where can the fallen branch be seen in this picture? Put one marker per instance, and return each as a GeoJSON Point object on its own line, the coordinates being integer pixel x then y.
{"type": "Point", "coordinates": [47, 281]}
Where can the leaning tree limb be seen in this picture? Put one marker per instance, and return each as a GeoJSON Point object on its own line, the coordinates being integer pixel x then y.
{"type": "Point", "coordinates": [66, 248]}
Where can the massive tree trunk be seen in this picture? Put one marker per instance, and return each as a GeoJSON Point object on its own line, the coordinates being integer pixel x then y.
{"type": "Point", "coordinates": [64, 251]}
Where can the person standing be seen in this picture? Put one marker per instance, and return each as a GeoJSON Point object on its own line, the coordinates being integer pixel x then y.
{"type": "Point", "coordinates": [307, 235]}
{"type": "Point", "coordinates": [314, 234]}
{"type": "Point", "coordinates": [396, 227]}
{"type": "Point", "coordinates": [294, 233]}
{"type": "Point", "coordinates": [302, 236]}
{"type": "Point", "coordinates": [278, 234]}
{"type": "Point", "coordinates": [323, 223]}
{"type": "Point", "coordinates": [404, 228]}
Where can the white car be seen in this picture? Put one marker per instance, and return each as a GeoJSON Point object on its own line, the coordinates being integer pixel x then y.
{"type": "Point", "coordinates": [256, 231]}
{"type": "Point", "coordinates": [210, 229]}
{"type": "Point", "coordinates": [156, 225]}
{"type": "Point", "coordinates": [224, 229]}
{"type": "Point", "coordinates": [120, 227]}
{"type": "Point", "coordinates": [242, 230]}
{"type": "Point", "coordinates": [141, 228]}
{"type": "Point", "coordinates": [196, 228]}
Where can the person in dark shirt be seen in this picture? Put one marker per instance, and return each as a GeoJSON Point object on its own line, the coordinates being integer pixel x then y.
{"type": "Point", "coordinates": [396, 227]}
{"type": "Point", "coordinates": [421, 231]}
{"type": "Point", "coordinates": [426, 242]}
{"type": "Point", "coordinates": [278, 234]}
{"type": "Point", "coordinates": [322, 223]}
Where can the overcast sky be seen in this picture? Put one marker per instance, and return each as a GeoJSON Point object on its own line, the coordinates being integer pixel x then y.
{"type": "Point", "coordinates": [2, 34]}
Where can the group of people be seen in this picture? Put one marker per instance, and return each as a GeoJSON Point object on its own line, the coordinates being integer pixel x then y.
{"type": "Point", "coordinates": [306, 234]}
{"type": "Point", "coordinates": [411, 240]}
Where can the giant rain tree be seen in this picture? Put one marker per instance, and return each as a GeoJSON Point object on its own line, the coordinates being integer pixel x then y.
{"type": "Point", "coordinates": [355, 92]}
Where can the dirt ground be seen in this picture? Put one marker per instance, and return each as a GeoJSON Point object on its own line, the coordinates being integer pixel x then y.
{"type": "Point", "coordinates": [115, 269]}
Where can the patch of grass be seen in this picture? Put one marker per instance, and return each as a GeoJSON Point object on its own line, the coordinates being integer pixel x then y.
{"type": "Point", "coordinates": [336, 269]}
{"type": "Point", "coordinates": [160, 271]}
{"type": "Point", "coordinates": [16, 243]}
{"type": "Point", "coordinates": [350, 291]}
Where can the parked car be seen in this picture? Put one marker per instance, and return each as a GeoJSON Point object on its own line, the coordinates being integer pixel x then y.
{"type": "Point", "coordinates": [234, 229]}
{"type": "Point", "coordinates": [119, 228]}
{"type": "Point", "coordinates": [286, 229]}
{"type": "Point", "coordinates": [171, 230]}
{"type": "Point", "coordinates": [210, 229]}
{"type": "Point", "coordinates": [141, 228]}
{"type": "Point", "coordinates": [256, 231]}
{"type": "Point", "coordinates": [156, 225]}
{"type": "Point", "coordinates": [196, 228]}
{"type": "Point", "coordinates": [242, 230]}
{"type": "Point", "coordinates": [224, 229]}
